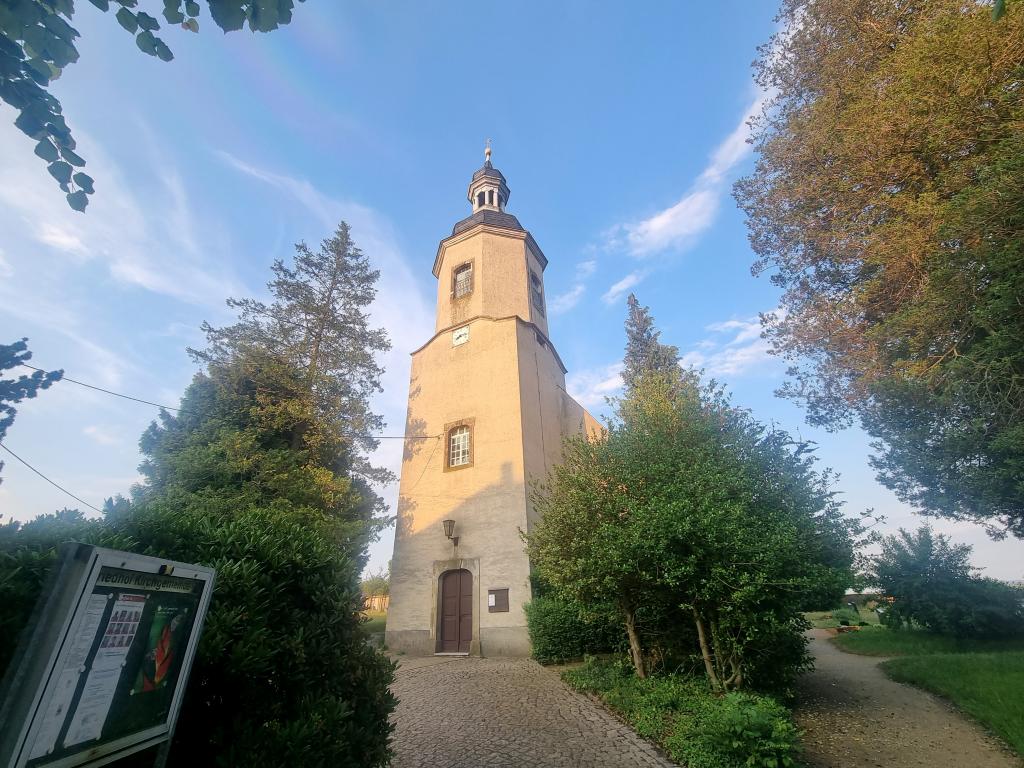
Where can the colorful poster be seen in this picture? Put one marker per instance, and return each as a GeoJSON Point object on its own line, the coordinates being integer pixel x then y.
{"type": "Point", "coordinates": [67, 682]}
{"type": "Point", "coordinates": [163, 647]}
{"type": "Point", "coordinates": [101, 684]}
{"type": "Point", "coordinates": [120, 667]}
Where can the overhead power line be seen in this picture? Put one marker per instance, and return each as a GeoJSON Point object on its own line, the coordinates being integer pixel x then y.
{"type": "Point", "coordinates": [105, 391]}
{"type": "Point", "coordinates": [179, 410]}
{"type": "Point", "coordinates": [51, 482]}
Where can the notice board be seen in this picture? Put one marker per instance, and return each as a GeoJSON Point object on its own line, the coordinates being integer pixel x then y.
{"type": "Point", "coordinates": [101, 670]}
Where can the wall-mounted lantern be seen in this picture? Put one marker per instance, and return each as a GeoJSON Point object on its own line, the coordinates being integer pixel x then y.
{"type": "Point", "coordinates": [449, 529]}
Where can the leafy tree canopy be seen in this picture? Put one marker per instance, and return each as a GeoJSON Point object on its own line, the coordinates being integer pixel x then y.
{"type": "Point", "coordinates": [258, 475]}
{"type": "Point", "coordinates": [888, 203]}
{"type": "Point", "coordinates": [37, 42]}
{"type": "Point", "coordinates": [934, 586]}
{"type": "Point", "coordinates": [13, 391]}
{"type": "Point", "coordinates": [377, 583]}
{"type": "Point", "coordinates": [284, 673]}
{"type": "Point", "coordinates": [690, 501]}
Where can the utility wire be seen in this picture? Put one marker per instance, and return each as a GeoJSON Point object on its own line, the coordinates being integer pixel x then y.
{"type": "Point", "coordinates": [55, 485]}
{"type": "Point", "coordinates": [172, 408]}
{"type": "Point", "coordinates": [105, 391]}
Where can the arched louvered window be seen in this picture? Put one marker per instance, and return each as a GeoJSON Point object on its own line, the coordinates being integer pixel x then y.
{"type": "Point", "coordinates": [462, 280]}
{"type": "Point", "coordinates": [537, 292]}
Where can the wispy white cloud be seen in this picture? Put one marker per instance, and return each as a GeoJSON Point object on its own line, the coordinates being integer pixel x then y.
{"type": "Point", "coordinates": [619, 289]}
{"type": "Point", "coordinates": [675, 227]}
{"type": "Point", "coordinates": [678, 227]}
{"type": "Point", "coordinates": [101, 435]}
{"type": "Point", "coordinates": [6, 270]}
{"type": "Point", "coordinates": [144, 235]}
{"type": "Point", "coordinates": [585, 269]}
{"type": "Point", "coordinates": [59, 238]}
{"type": "Point", "coordinates": [734, 348]}
{"type": "Point", "coordinates": [591, 386]}
{"type": "Point", "coordinates": [564, 302]}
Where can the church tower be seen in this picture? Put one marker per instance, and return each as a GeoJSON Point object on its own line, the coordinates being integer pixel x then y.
{"type": "Point", "coordinates": [487, 414]}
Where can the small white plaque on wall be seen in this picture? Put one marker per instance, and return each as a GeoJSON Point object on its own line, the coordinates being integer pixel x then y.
{"type": "Point", "coordinates": [460, 336]}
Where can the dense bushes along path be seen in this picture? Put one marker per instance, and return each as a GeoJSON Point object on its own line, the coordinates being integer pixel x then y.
{"type": "Point", "coordinates": [853, 715]}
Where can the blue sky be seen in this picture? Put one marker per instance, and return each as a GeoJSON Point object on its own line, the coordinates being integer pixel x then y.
{"type": "Point", "coordinates": [619, 128]}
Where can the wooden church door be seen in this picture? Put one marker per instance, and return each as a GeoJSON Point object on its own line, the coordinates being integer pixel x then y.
{"type": "Point", "coordinates": [456, 611]}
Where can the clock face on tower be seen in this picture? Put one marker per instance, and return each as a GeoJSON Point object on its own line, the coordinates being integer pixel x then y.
{"type": "Point", "coordinates": [460, 336]}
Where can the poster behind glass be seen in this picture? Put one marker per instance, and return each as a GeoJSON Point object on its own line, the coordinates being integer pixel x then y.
{"type": "Point", "coordinates": [122, 668]}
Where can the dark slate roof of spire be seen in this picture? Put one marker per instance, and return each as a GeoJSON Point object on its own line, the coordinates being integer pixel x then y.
{"type": "Point", "coordinates": [491, 218]}
{"type": "Point", "coordinates": [488, 170]}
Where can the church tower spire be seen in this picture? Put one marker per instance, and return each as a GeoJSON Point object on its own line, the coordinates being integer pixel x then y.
{"type": "Point", "coordinates": [488, 406]}
{"type": "Point", "coordinates": [488, 190]}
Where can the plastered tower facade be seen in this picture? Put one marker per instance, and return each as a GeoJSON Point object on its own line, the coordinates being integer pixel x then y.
{"type": "Point", "coordinates": [487, 414]}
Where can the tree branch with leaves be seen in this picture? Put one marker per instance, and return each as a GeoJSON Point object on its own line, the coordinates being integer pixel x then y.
{"type": "Point", "coordinates": [37, 42]}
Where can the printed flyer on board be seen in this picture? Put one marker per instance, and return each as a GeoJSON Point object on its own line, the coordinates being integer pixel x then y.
{"type": "Point", "coordinates": [122, 668]}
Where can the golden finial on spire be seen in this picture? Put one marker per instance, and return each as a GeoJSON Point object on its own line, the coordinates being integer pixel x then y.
{"type": "Point", "coordinates": [487, 152]}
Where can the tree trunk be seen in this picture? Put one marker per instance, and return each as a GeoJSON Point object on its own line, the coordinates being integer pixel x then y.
{"type": "Point", "coordinates": [705, 652]}
{"type": "Point", "coordinates": [635, 650]}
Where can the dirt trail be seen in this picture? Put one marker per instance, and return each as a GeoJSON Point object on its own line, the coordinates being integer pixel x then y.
{"type": "Point", "coordinates": [853, 715]}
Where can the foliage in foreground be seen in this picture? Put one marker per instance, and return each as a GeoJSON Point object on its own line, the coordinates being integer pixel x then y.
{"type": "Point", "coordinates": [21, 387]}
{"type": "Point", "coordinates": [888, 203]}
{"type": "Point", "coordinates": [935, 588]}
{"type": "Point", "coordinates": [259, 475]}
{"type": "Point", "coordinates": [986, 686]}
{"type": "Point", "coordinates": [689, 505]}
{"type": "Point", "coordinates": [27, 553]}
{"type": "Point", "coordinates": [560, 630]}
{"type": "Point", "coordinates": [696, 727]}
{"type": "Point", "coordinates": [37, 41]}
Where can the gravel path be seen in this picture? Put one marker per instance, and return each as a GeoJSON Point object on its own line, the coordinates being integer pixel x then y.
{"type": "Point", "coordinates": [467, 712]}
{"type": "Point", "coordinates": [853, 715]}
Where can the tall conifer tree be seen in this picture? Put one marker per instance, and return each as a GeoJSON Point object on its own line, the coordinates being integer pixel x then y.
{"type": "Point", "coordinates": [317, 322]}
{"type": "Point", "coordinates": [644, 352]}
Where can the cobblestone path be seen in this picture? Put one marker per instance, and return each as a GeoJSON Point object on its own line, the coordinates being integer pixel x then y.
{"type": "Point", "coordinates": [853, 715]}
{"type": "Point", "coordinates": [465, 712]}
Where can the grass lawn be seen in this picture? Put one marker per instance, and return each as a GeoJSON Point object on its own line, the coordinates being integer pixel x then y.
{"type": "Point", "coordinates": [987, 686]}
{"type": "Point", "coordinates": [910, 642]}
{"type": "Point", "coordinates": [377, 620]}
{"type": "Point", "coordinates": [983, 678]}
{"type": "Point", "coordinates": [826, 619]}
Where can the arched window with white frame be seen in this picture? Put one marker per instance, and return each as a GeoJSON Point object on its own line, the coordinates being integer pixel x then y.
{"type": "Point", "coordinates": [459, 446]}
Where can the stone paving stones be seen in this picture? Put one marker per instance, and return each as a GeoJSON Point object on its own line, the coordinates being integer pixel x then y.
{"type": "Point", "coordinates": [469, 712]}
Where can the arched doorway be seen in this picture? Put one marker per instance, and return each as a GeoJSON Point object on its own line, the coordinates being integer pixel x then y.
{"type": "Point", "coordinates": [455, 620]}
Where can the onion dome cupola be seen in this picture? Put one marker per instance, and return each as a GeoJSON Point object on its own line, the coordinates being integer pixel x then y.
{"type": "Point", "coordinates": [488, 190]}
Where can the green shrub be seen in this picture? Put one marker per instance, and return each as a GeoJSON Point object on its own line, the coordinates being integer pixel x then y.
{"type": "Point", "coordinates": [696, 727]}
{"type": "Point", "coordinates": [559, 631]}
{"type": "Point", "coordinates": [27, 553]}
{"type": "Point", "coordinates": [753, 731]}
{"type": "Point", "coordinates": [777, 655]}
{"type": "Point", "coordinates": [283, 674]}
{"type": "Point", "coordinates": [846, 617]}
{"type": "Point", "coordinates": [934, 587]}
